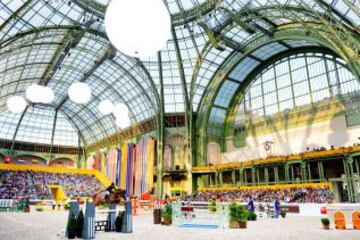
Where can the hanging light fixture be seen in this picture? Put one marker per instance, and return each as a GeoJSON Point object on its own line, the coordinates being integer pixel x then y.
{"type": "Point", "coordinates": [79, 92]}
{"type": "Point", "coordinates": [123, 121]}
{"type": "Point", "coordinates": [16, 104]}
{"type": "Point", "coordinates": [33, 93]}
{"type": "Point", "coordinates": [138, 28]}
{"type": "Point", "coordinates": [39, 94]}
{"type": "Point", "coordinates": [120, 109]}
{"type": "Point", "coordinates": [121, 113]}
{"type": "Point", "coordinates": [48, 95]}
{"type": "Point", "coordinates": [106, 107]}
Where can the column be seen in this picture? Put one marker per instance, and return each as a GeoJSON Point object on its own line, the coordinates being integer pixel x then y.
{"type": "Point", "coordinates": [233, 177]}
{"type": "Point", "coordinates": [216, 178]}
{"type": "Point", "coordinates": [241, 175]}
{"type": "Point", "coordinates": [303, 172]}
{"type": "Point", "coordinates": [350, 162]}
{"type": "Point", "coordinates": [266, 175]}
{"type": "Point", "coordinates": [321, 171]}
{"type": "Point", "coordinates": [221, 178]}
{"type": "Point", "coordinates": [287, 172]}
{"type": "Point", "coordinates": [245, 177]}
{"type": "Point", "coordinates": [309, 172]}
{"type": "Point", "coordinates": [253, 179]}
{"type": "Point", "coordinates": [276, 174]}
{"type": "Point", "coordinates": [348, 180]}
{"type": "Point", "coordinates": [211, 182]}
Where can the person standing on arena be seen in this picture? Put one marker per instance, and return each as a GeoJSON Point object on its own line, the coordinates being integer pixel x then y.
{"type": "Point", "coordinates": [277, 207]}
{"type": "Point", "coordinates": [251, 205]}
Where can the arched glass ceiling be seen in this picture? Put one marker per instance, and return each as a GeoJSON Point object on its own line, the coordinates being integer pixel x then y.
{"type": "Point", "coordinates": [176, 6]}
{"type": "Point", "coordinates": [37, 127]}
{"type": "Point", "coordinates": [35, 34]}
{"type": "Point", "coordinates": [294, 81]}
{"type": "Point", "coordinates": [56, 43]}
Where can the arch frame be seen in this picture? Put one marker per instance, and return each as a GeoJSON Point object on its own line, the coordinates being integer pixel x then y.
{"type": "Point", "coordinates": [320, 37]}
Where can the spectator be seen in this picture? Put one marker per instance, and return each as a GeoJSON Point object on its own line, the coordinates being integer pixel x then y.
{"type": "Point", "coordinates": [290, 195]}
{"type": "Point", "coordinates": [16, 185]}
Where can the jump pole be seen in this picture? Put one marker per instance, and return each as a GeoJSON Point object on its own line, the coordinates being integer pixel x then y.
{"type": "Point", "coordinates": [89, 221]}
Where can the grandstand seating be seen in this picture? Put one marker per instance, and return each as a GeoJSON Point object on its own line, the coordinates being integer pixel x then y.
{"type": "Point", "coordinates": [290, 195]}
{"type": "Point", "coordinates": [34, 185]}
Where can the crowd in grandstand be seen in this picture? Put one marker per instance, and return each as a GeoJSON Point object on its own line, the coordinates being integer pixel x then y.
{"type": "Point", "coordinates": [290, 195]}
{"type": "Point", "coordinates": [34, 185]}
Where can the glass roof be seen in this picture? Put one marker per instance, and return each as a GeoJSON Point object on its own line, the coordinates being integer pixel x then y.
{"type": "Point", "coordinates": [176, 6]}
{"type": "Point", "coordinates": [57, 43]}
{"type": "Point", "coordinates": [294, 81]}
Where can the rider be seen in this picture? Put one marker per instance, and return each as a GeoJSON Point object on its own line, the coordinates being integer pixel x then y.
{"type": "Point", "coordinates": [109, 190]}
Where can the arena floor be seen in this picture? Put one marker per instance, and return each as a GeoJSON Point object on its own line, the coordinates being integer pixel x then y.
{"type": "Point", "coordinates": [48, 226]}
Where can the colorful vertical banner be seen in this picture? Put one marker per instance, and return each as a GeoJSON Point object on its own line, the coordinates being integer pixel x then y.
{"type": "Point", "coordinates": [118, 168]}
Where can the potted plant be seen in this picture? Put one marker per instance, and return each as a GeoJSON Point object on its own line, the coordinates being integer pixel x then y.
{"type": "Point", "coordinates": [233, 214]}
{"type": "Point", "coordinates": [283, 214]}
{"type": "Point", "coordinates": [67, 206]}
{"type": "Point", "coordinates": [243, 215]}
{"type": "Point", "coordinates": [39, 208]}
{"type": "Point", "coordinates": [167, 214]}
{"type": "Point", "coordinates": [212, 205]}
{"type": "Point", "coordinates": [326, 223]}
{"type": "Point", "coordinates": [119, 221]}
{"type": "Point", "coordinates": [252, 216]}
{"type": "Point", "coordinates": [79, 224]}
{"type": "Point", "coordinates": [71, 227]}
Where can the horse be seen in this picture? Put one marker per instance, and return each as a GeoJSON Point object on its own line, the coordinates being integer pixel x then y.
{"type": "Point", "coordinates": [116, 197]}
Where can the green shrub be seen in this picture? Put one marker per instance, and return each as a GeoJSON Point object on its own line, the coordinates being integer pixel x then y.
{"type": "Point", "coordinates": [119, 221]}
{"type": "Point", "coordinates": [71, 226]}
{"type": "Point", "coordinates": [212, 205]}
{"type": "Point", "coordinates": [167, 211]}
{"type": "Point", "coordinates": [39, 209]}
{"type": "Point", "coordinates": [325, 221]}
{"type": "Point", "coordinates": [67, 206]}
{"type": "Point", "coordinates": [242, 214]}
{"type": "Point", "coordinates": [232, 211]}
{"type": "Point", "coordinates": [252, 216]}
{"type": "Point", "coordinates": [79, 224]}
{"type": "Point", "coordinates": [238, 213]}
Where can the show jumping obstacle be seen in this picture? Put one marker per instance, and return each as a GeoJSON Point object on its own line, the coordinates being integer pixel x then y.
{"type": "Point", "coordinates": [187, 216]}
{"type": "Point", "coordinates": [92, 225]}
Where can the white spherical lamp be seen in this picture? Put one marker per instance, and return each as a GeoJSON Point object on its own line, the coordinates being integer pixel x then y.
{"type": "Point", "coordinates": [39, 94]}
{"type": "Point", "coordinates": [106, 107]}
{"type": "Point", "coordinates": [33, 93]}
{"type": "Point", "coordinates": [123, 121]}
{"type": "Point", "coordinates": [47, 95]}
{"type": "Point", "coordinates": [120, 110]}
{"type": "Point", "coordinates": [16, 104]}
{"type": "Point", "coordinates": [79, 92]}
{"type": "Point", "coordinates": [138, 28]}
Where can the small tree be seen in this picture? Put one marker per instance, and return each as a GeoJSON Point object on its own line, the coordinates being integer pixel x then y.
{"type": "Point", "coordinates": [233, 212]}
{"type": "Point", "coordinates": [167, 214]}
{"type": "Point", "coordinates": [79, 224]}
{"type": "Point", "coordinates": [242, 214]}
{"type": "Point", "coordinates": [71, 227]}
{"type": "Point", "coordinates": [212, 205]}
{"type": "Point", "coordinates": [119, 221]}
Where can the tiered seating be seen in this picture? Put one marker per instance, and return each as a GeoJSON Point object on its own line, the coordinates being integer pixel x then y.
{"type": "Point", "coordinates": [34, 185]}
{"type": "Point", "coordinates": [290, 195]}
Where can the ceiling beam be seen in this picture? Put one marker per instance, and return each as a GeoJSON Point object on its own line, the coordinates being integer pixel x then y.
{"type": "Point", "coordinates": [15, 15]}
{"type": "Point", "coordinates": [70, 41]}
{"type": "Point", "coordinates": [108, 55]}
